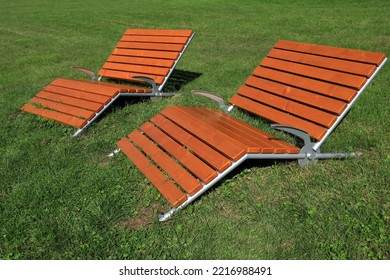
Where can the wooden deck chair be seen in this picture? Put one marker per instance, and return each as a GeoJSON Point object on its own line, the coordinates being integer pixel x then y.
{"type": "Point", "coordinates": [141, 56]}
{"type": "Point", "coordinates": [305, 89]}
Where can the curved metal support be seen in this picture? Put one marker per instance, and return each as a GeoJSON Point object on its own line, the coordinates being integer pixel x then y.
{"type": "Point", "coordinates": [212, 96]}
{"type": "Point", "coordinates": [307, 149]}
{"type": "Point", "coordinates": [295, 131]}
{"type": "Point", "coordinates": [310, 154]}
{"type": "Point", "coordinates": [150, 81]}
{"type": "Point", "coordinates": [87, 71]}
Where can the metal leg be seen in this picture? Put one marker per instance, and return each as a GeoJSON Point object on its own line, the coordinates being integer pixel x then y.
{"type": "Point", "coordinates": [77, 132]}
{"type": "Point", "coordinates": [114, 152]}
{"type": "Point", "coordinates": [310, 153]}
{"type": "Point", "coordinates": [166, 216]}
{"type": "Point", "coordinates": [315, 156]}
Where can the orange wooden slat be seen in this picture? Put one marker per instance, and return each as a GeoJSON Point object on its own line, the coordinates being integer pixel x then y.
{"type": "Point", "coordinates": [346, 66]}
{"type": "Point", "coordinates": [141, 61]}
{"type": "Point", "coordinates": [140, 50]}
{"type": "Point", "coordinates": [264, 139]}
{"type": "Point", "coordinates": [165, 186]}
{"type": "Point", "coordinates": [83, 86]}
{"type": "Point", "coordinates": [70, 110]}
{"type": "Point", "coordinates": [89, 96]}
{"type": "Point", "coordinates": [332, 90]}
{"type": "Point", "coordinates": [262, 142]}
{"type": "Point", "coordinates": [128, 76]}
{"type": "Point", "coordinates": [288, 106]}
{"type": "Point", "coordinates": [331, 76]}
{"type": "Point", "coordinates": [166, 163]}
{"type": "Point", "coordinates": [214, 138]}
{"type": "Point", "coordinates": [136, 68]}
{"type": "Point", "coordinates": [218, 123]}
{"type": "Point", "coordinates": [150, 46]}
{"type": "Point", "coordinates": [60, 117]}
{"type": "Point", "coordinates": [186, 158]}
{"type": "Point", "coordinates": [70, 101]}
{"type": "Point", "coordinates": [159, 32]}
{"type": "Point", "coordinates": [343, 53]}
{"type": "Point", "coordinates": [147, 53]}
{"type": "Point", "coordinates": [316, 131]}
{"type": "Point", "coordinates": [310, 98]}
{"type": "Point", "coordinates": [154, 39]}
{"type": "Point", "coordinates": [199, 148]}
{"type": "Point", "coordinates": [120, 87]}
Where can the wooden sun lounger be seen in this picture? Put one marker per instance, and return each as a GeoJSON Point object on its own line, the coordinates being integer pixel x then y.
{"type": "Point", "coordinates": [141, 56]}
{"type": "Point", "coordinates": [304, 89]}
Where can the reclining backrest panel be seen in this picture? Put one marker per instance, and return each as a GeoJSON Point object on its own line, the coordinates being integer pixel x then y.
{"type": "Point", "coordinates": [149, 53]}
{"type": "Point", "coordinates": [306, 86]}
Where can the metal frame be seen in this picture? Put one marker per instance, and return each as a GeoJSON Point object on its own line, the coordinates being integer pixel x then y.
{"type": "Point", "coordinates": [304, 158]}
{"type": "Point", "coordinates": [87, 71]}
{"type": "Point", "coordinates": [340, 118]}
{"type": "Point", "coordinates": [212, 96]}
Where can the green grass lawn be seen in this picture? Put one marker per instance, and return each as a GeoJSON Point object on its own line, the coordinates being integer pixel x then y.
{"type": "Point", "coordinates": [62, 198]}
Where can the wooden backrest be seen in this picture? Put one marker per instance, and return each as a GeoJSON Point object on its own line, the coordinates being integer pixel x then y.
{"type": "Point", "coordinates": [146, 52]}
{"type": "Point", "coordinates": [307, 86]}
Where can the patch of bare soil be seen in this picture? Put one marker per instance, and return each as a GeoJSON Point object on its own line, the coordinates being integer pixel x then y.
{"type": "Point", "coordinates": [146, 217]}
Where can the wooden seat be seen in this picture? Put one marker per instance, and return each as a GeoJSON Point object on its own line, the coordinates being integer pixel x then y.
{"type": "Point", "coordinates": [74, 102]}
{"type": "Point", "coordinates": [306, 89]}
{"type": "Point", "coordinates": [192, 145]}
{"type": "Point", "coordinates": [151, 54]}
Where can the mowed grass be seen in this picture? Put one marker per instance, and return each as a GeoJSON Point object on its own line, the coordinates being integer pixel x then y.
{"type": "Point", "coordinates": [63, 198]}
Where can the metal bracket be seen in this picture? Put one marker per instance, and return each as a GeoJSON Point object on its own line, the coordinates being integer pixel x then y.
{"type": "Point", "coordinates": [151, 82]}
{"type": "Point", "coordinates": [212, 96]}
{"type": "Point", "coordinates": [310, 154]}
{"type": "Point", "coordinates": [307, 149]}
{"type": "Point", "coordinates": [87, 71]}
{"type": "Point", "coordinates": [114, 152]}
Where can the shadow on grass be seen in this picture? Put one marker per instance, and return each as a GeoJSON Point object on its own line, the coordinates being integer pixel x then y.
{"type": "Point", "coordinates": [177, 80]}
{"type": "Point", "coordinates": [180, 78]}
{"type": "Point", "coordinates": [248, 164]}
{"type": "Point", "coordinates": [148, 216]}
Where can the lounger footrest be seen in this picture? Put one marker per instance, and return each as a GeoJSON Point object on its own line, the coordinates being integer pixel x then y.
{"type": "Point", "coordinates": [156, 176]}
{"type": "Point", "coordinates": [55, 115]}
{"type": "Point", "coordinates": [190, 148]}
{"type": "Point", "coordinates": [75, 102]}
